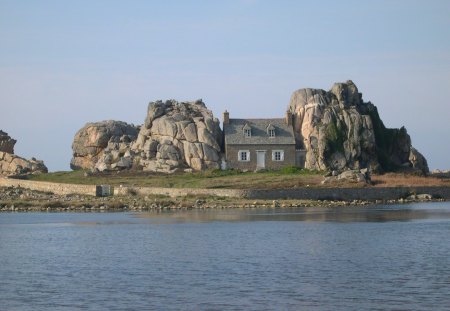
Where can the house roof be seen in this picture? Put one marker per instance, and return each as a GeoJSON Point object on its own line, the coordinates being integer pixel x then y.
{"type": "Point", "coordinates": [234, 132]}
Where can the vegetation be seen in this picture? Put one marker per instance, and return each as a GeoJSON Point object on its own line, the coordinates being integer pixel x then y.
{"type": "Point", "coordinates": [287, 177]}
{"type": "Point", "coordinates": [408, 180]}
{"type": "Point", "coordinates": [336, 137]}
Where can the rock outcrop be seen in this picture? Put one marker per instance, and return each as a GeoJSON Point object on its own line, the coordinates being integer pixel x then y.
{"type": "Point", "coordinates": [340, 131]}
{"type": "Point", "coordinates": [178, 134]}
{"type": "Point", "coordinates": [103, 145]}
{"type": "Point", "coordinates": [175, 135]}
{"type": "Point", "coordinates": [6, 143]}
{"type": "Point", "coordinates": [13, 165]}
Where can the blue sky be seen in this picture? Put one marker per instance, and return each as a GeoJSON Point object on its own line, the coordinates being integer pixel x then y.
{"type": "Point", "coordinates": [65, 63]}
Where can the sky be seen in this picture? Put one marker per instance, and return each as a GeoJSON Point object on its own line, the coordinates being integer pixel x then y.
{"type": "Point", "coordinates": [66, 63]}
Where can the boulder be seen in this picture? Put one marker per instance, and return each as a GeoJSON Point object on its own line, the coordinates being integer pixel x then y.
{"type": "Point", "coordinates": [101, 144]}
{"type": "Point", "coordinates": [340, 131]}
{"type": "Point", "coordinates": [356, 176]}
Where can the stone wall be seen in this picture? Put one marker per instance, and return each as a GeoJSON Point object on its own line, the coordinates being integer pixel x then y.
{"type": "Point", "coordinates": [233, 150]}
{"type": "Point", "coordinates": [56, 188]}
{"type": "Point", "coordinates": [64, 189]}
{"type": "Point", "coordinates": [179, 192]}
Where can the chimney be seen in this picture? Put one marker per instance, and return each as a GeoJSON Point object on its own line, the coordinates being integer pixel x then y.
{"type": "Point", "coordinates": [226, 118]}
{"type": "Point", "coordinates": [288, 117]}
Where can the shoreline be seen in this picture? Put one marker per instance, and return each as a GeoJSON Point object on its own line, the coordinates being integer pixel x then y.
{"type": "Point", "coordinates": [13, 199]}
{"type": "Point", "coordinates": [343, 193]}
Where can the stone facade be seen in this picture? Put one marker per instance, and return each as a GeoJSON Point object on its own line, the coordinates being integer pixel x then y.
{"type": "Point", "coordinates": [232, 156]}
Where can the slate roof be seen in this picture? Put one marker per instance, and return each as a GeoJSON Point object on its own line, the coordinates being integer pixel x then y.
{"type": "Point", "coordinates": [234, 132]}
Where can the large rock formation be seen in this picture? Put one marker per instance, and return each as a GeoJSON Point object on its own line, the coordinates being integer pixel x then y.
{"type": "Point", "coordinates": [13, 165]}
{"type": "Point", "coordinates": [102, 145]}
{"type": "Point", "coordinates": [178, 134]}
{"type": "Point", "coordinates": [174, 135]}
{"type": "Point", "coordinates": [341, 131]}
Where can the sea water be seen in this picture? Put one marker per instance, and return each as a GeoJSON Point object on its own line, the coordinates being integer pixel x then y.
{"type": "Point", "coordinates": [394, 257]}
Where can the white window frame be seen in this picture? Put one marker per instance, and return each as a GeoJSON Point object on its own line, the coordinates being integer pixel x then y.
{"type": "Point", "coordinates": [247, 155]}
{"type": "Point", "coordinates": [271, 133]}
{"type": "Point", "coordinates": [274, 152]}
{"type": "Point", "coordinates": [247, 133]}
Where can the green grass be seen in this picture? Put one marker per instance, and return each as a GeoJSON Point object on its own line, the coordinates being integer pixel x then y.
{"type": "Point", "coordinates": [229, 179]}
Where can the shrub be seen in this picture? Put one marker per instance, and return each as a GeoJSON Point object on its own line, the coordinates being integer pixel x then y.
{"type": "Point", "coordinates": [290, 170]}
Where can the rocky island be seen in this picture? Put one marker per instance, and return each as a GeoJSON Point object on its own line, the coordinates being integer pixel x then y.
{"type": "Point", "coordinates": [181, 151]}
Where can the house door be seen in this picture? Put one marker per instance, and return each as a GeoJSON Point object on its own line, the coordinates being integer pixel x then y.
{"type": "Point", "coordinates": [260, 159]}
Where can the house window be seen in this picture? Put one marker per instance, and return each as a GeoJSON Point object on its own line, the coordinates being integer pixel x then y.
{"type": "Point", "coordinates": [244, 155]}
{"type": "Point", "coordinates": [271, 133]}
{"type": "Point", "coordinates": [278, 155]}
{"type": "Point", "coordinates": [247, 130]}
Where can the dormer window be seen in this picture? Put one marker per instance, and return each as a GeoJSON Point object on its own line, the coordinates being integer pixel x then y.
{"type": "Point", "coordinates": [247, 131]}
{"type": "Point", "coordinates": [271, 130]}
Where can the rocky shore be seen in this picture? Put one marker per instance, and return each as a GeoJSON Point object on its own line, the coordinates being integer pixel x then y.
{"type": "Point", "coordinates": [24, 200]}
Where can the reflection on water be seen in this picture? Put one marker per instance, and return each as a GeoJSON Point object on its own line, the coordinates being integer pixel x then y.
{"type": "Point", "coordinates": [352, 258]}
{"type": "Point", "coordinates": [333, 214]}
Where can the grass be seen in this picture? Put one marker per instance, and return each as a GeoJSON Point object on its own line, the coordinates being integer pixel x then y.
{"type": "Point", "coordinates": [288, 177]}
{"type": "Point", "coordinates": [407, 180]}
{"type": "Point", "coordinates": [213, 179]}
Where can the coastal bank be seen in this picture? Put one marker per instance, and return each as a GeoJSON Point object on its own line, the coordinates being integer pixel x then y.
{"type": "Point", "coordinates": [369, 193]}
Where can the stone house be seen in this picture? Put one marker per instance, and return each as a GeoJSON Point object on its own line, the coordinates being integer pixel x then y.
{"type": "Point", "coordinates": [254, 144]}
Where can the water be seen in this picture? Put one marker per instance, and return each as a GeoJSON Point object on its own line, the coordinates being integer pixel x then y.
{"type": "Point", "coordinates": [357, 258]}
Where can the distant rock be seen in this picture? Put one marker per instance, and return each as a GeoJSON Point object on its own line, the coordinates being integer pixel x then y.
{"type": "Point", "coordinates": [13, 165]}
{"type": "Point", "coordinates": [6, 143]}
{"type": "Point", "coordinates": [340, 131]}
{"type": "Point", "coordinates": [102, 145]}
